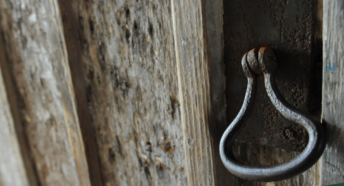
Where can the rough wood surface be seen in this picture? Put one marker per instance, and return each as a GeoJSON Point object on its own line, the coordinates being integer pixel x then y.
{"type": "Point", "coordinates": [333, 91]}
{"type": "Point", "coordinates": [38, 84]}
{"type": "Point", "coordinates": [12, 169]}
{"type": "Point", "coordinates": [74, 50]}
{"type": "Point", "coordinates": [193, 77]}
{"type": "Point", "coordinates": [130, 75]}
{"type": "Point", "coordinates": [213, 35]}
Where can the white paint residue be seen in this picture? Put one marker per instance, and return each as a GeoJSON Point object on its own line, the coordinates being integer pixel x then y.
{"type": "Point", "coordinates": [32, 18]}
{"type": "Point", "coordinates": [48, 75]}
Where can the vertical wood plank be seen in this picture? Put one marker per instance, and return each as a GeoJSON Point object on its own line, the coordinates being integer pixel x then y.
{"type": "Point", "coordinates": [333, 89]}
{"type": "Point", "coordinates": [41, 93]}
{"type": "Point", "coordinates": [213, 34]}
{"type": "Point", "coordinates": [193, 77]}
{"type": "Point", "coordinates": [130, 77]}
{"type": "Point", "coordinates": [5, 19]}
{"type": "Point", "coordinates": [74, 50]}
{"type": "Point", "coordinates": [12, 169]}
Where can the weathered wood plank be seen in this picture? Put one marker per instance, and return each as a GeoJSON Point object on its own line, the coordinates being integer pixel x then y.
{"type": "Point", "coordinates": [74, 49]}
{"type": "Point", "coordinates": [213, 23]}
{"type": "Point", "coordinates": [9, 88]}
{"type": "Point", "coordinates": [193, 77]}
{"type": "Point", "coordinates": [129, 68]}
{"type": "Point", "coordinates": [333, 89]}
{"type": "Point", "coordinates": [38, 78]}
{"type": "Point", "coordinates": [12, 169]}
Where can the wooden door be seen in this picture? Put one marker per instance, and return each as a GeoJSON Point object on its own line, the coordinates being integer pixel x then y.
{"type": "Point", "coordinates": [139, 92]}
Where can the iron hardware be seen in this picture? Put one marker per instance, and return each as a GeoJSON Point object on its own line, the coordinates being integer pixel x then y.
{"type": "Point", "coordinates": [264, 62]}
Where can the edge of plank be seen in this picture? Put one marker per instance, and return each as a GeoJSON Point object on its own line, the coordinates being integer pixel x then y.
{"type": "Point", "coordinates": [193, 79]}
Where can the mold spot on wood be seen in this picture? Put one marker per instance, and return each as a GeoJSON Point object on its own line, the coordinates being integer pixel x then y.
{"type": "Point", "coordinates": [111, 155]}
{"type": "Point", "coordinates": [144, 161]}
{"type": "Point", "coordinates": [85, 45]}
{"type": "Point", "coordinates": [91, 25]}
{"type": "Point", "coordinates": [174, 105]}
{"type": "Point", "coordinates": [99, 80]}
{"type": "Point", "coordinates": [88, 93]}
{"type": "Point", "coordinates": [101, 56]}
{"type": "Point", "coordinates": [42, 82]}
{"type": "Point", "coordinates": [118, 18]}
{"type": "Point", "coordinates": [158, 164]}
{"type": "Point", "coordinates": [124, 85]}
{"type": "Point", "coordinates": [90, 74]}
{"type": "Point", "coordinates": [117, 146]}
{"type": "Point", "coordinates": [135, 26]}
{"type": "Point", "coordinates": [148, 146]}
{"type": "Point", "coordinates": [136, 85]}
{"type": "Point", "coordinates": [123, 15]}
{"type": "Point", "coordinates": [160, 168]}
{"type": "Point", "coordinates": [81, 22]}
{"type": "Point", "coordinates": [150, 29]}
{"type": "Point", "coordinates": [145, 169]}
{"type": "Point", "coordinates": [165, 145]}
{"type": "Point", "coordinates": [127, 35]}
{"type": "Point", "coordinates": [114, 76]}
{"type": "Point", "coordinates": [127, 12]}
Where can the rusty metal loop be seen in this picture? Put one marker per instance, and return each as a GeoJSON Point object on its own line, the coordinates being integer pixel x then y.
{"type": "Point", "coordinates": [252, 65]}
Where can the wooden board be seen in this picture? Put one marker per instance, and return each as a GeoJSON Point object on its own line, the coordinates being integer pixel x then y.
{"type": "Point", "coordinates": [127, 64]}
{"type": "Point", "coordinates": [332, 107]}
{"type": "Point", "coordinates": [12, 169]}
{"type": "Point", "coordinates": [39, 88]}
{"type": "Point", "coordinates": [214, 39]}
{"type": "Point", "coordinates": [194, 85]}
{"type": "Point", "coordinates": [129, 75]}
{"type": "Point", "coordinates": [74, 50]}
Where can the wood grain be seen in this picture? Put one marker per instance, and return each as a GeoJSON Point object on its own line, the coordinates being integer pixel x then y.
{"type": "Point", "coordinates": [129, 65]}
{"type": "Point", "coordinates": [74, 50]}
{"type": "Point", "coordinates": [12, 169]}
{"type": "Point", "coordinates": [193, 77]}
{"type": "Point", "coordinates": [333, 71]}
{"type": "Point", "coordinates": [214, 39]}
{"type": "Point", "coordinates": [129, 69]}
{"type": "Point", "coordinates": [39, 87]}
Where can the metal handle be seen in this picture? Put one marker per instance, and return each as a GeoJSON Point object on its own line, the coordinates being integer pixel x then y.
{"type": "Point", "coordinates": [266, 64]}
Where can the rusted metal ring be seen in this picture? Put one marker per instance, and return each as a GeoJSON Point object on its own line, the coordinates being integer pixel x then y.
{"type": "Point", "coordinates": [316, 131]}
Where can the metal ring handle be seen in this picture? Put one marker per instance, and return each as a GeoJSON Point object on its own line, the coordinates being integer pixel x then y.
{"type": "Point", "coordinates": [266, 63]}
